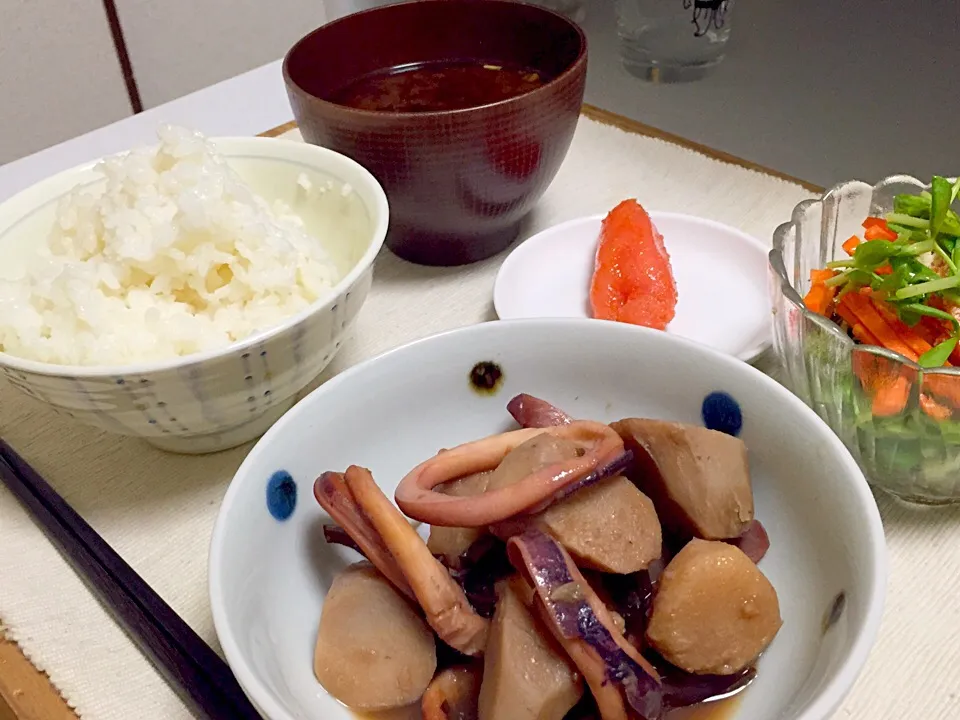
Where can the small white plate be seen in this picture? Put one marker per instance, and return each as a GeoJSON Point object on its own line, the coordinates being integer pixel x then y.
{"type": "Point", "coordinates": [721, 276]}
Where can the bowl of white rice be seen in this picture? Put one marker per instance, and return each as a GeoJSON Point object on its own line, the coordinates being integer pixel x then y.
{"type": "Point", "coordinates": [186, 292]}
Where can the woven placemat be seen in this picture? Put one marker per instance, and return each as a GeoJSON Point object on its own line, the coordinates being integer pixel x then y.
{"type": "Point", "coordinates": [158, 510]}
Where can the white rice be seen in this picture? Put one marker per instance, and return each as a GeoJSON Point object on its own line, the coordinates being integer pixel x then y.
{"type": "Point", "coordinates": [174, 256]}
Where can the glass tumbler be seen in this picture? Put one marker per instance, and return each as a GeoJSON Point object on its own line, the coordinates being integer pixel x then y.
{"type": "Point", "coordinates": [672, 40]}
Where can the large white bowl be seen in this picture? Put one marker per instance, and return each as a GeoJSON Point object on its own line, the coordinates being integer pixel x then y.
{"type": "Point", "coordinates": [268, 577]}
{"type": "Point", "coordinates": [216, 400]}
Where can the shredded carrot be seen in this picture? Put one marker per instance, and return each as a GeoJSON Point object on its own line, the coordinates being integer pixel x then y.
{"type": "Point", "coordinates": [944, 387]}
{"type": "Point", "coordinates": [884, 270]}
{"type": "Point", "coordinates": [889, 393]}
{"type": "Point", "coordinates": [874, 222]}
{"type": "Point", "coordinates": [819, 298]}
{"type": "Point", "coordinates": [843, 311]}
{"type": "Point", "coordinates": [934, 409]}
{"type": "Point", "coordinates": [873, 373]}
{"type": "Point", "coordinates": [891, 398]}
{"type": "Point", "coordinates": [911, 338]}
{"type": "Point", "coordinates": [879, 232]}
{"type": "Point", "coordinates": [866, 313]}
{"type": "Point", "coordinates": [863, 335]}
{"type": "Point", "coordinates": [850, 244]}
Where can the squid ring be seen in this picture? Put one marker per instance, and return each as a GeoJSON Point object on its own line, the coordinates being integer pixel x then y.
{"type": "Point", "coordinates": [419, 500]}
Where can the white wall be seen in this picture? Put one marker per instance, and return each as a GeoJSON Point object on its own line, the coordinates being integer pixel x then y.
{"type": "Point", "coordinates": [178, 46]}
{"type": "Point", "coordinates": [59, 75]}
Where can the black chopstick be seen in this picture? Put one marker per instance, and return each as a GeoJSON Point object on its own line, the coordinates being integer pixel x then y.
{"type": "Point", "coordinates": [191, 668]}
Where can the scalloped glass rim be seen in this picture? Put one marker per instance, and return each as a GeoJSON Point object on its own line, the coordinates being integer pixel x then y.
{"type": "Point", "coordinates": [790, 293]}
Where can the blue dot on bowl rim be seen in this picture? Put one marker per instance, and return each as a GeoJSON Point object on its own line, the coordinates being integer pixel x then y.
{"type": "Point", "coordinates": [281, 495]}
{"type": "Point", "coordinates": [721, 412]}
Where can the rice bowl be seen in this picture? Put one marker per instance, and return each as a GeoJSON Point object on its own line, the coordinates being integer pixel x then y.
{"type": "Point", "coordinates": [172, 254]}
{"type": "Point", "coordinates": [216, 397]}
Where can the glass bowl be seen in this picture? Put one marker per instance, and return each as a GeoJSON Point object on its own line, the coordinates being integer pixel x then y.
{"type": "Point", "coordinates": [913, 454]}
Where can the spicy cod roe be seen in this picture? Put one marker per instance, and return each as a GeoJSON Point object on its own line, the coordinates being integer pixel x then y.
{"type": "Point", "coordinates": [632, 280]}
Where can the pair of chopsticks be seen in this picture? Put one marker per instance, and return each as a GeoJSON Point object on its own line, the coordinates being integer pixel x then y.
{"type": "Point", "coordinates": [191, 668]}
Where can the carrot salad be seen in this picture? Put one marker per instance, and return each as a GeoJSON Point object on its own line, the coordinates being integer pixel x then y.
{"type": "Point", "coordinates": [899, 288]}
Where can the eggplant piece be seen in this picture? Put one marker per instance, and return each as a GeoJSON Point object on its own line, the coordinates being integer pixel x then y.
{"type": "Point", "coordinates": [532, 412]}
{"type": "Point", "coordinates": [623, 683]}
{"type": "Point", "coordinates": [714, 611]}
{"type": "Point", "coordinates": [611, 527]}
{"type": "Point", "coordinates": [479, 576]}
{"type": "Point", "coordinates": [698, 479]}
{"type": "Point", "coordinates": [453, 694]}
{"type": "Point", "coordinates": [526, 676]}
{"type": "Point", "coordinates": [754, 541]}
{"type": "Point", "coordinates": [373, 651]}
{"type": "Point", "coordinates": [632, 597]}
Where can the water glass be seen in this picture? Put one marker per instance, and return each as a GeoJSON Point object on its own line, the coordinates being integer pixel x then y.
{"type": "Point", "coordinates": [672, 40]}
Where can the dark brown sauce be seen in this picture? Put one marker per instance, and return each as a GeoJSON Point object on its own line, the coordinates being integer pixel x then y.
{"type": "Point", "coordinates": [717, 710]}
{"type": "Point", "coordinates": [430, 87]}
{"type": "Point", "coordinates": [407, 713]}
{"type": "Point", "coordinates": [486, 377]}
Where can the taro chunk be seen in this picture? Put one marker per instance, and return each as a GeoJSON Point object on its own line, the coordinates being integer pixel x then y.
{"type": "Point", "coordinates": [526, 676]}
{"type": "Point", "coordinates": [698, 479]}
{"type": "Point", "coordinates": [610, 526]}
{"type": "Point", "coordinates": [373, 651]}
{"type": "Point", "coordinates": [450, 544]}
{"type": "Point", "coordinates": [714, 611]}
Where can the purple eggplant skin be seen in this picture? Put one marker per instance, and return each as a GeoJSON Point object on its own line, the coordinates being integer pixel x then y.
{"type": "Point", "coordinates": [485, 563]}
{"type": "Point", "coordinates": [632, 596]}
{"type": "Point", "coordinates": [539, 557]}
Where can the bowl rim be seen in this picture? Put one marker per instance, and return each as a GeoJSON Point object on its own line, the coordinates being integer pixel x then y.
{"type": "Point", "coordinates": [777, 263]}
{"type": "Point", "coordinates": [321, 158]}
{"type": "Point", "coordinates": [831, 694]}
{"type": "Point", "coordinates": [573, 69]}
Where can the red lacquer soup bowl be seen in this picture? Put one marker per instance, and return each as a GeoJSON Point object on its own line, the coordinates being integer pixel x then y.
{"type": "Point", "coordinates": [462, 109]}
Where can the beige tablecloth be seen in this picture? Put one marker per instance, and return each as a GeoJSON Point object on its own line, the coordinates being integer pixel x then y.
{"type": "Point", "coordinates": [157, 510]}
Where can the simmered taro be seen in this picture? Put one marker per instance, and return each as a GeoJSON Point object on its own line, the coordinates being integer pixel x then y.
{"type": "Point", "coordinates": [453, 694]}
{"type": "Point", "coordinates": [373, 651]}
{"type": "Point", "coordinates": [698, 479]}
{"type": "Point", "coordinates": [574, 571]}
{"type": "Point", "coordinates": [451, 543]}
{"type": "Point", "coordinates": [610, 526]}
{"type": "Point", "coordinates": [526, 675]}
{"type": "Point", "coordinates": [714, 611]}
